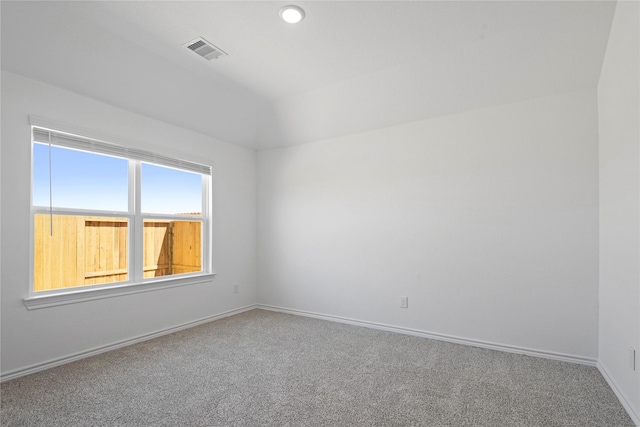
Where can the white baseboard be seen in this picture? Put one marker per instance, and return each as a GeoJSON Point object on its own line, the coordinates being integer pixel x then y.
{"type": "Point", "coordinates": [440, 337]}
{"type": "Point", "coordinates": [635, 417]}
{"type": "Point", "coordinates": [98, 350]}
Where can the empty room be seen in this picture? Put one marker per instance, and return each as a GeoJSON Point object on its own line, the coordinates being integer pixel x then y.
{"type": "Point", "coordinates": [320, 213]}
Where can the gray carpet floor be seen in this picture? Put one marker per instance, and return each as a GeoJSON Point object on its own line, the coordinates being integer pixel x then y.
{"type": "Point", "coordinates": [261, 368]}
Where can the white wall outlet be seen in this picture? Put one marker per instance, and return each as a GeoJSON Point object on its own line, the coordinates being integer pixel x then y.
{"type": "Point", "coordinates": [632, 358]}
{"type": "Point", "coordinates": [235, 289]}
{"type": "Point", "coordinates": [404, 302]}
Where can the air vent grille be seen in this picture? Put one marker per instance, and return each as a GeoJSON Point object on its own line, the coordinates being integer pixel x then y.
{"type": "Point", "coordinates": [196, 45]}
{"type": "Point", "coordinates": [205, 49]}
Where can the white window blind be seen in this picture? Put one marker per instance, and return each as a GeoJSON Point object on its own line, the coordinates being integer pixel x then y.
{"type": "Point", "coordinates": [67, 140]}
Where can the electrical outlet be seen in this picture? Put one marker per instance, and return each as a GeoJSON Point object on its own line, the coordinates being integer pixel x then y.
{"type": "Point", "coordinates": [235, 289]}
{"type": "Point", "coordinates": [404, 302]}
{"type": "Point", "coordinates": [632, 358]}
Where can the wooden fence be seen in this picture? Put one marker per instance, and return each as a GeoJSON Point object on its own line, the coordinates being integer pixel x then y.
{"type": "Point", "coordinates": [94, 250]}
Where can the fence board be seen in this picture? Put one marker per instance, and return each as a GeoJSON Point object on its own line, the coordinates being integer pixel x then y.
{"type": "Point", "coordinates": [92, 253]}
{"type": "Point", "coordinates": [186, 247]}
{"type": "Point", "coordinates": [80, 251]}
{"type": "Point", "coordinates": [156, 248]}
{"type": "Point", "coordinates": [39, 254]}
{"type": "Point", "coordinates": [57, 269]}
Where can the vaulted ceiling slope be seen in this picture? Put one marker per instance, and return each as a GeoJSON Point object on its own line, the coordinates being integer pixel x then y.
{"type": "Point", "coordinates": [347, 67]}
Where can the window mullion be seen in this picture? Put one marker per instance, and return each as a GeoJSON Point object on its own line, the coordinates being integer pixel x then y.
{"type": "Point", "coordinates": [136, 256]}
{"type": "Point", "coordinates": [206, 220]}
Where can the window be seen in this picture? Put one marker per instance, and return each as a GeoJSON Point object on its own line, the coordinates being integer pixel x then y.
{"type": "Point", "coordinates": [104, 215]}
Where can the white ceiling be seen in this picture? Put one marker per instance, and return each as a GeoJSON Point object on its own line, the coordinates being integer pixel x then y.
{"type": "Point", "coordinates": [350, 66]}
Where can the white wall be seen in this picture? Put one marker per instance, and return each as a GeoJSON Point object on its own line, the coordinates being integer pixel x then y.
{"type": "Point", "coordinates": [619, 112]}
{"type": "Point", "coordinates": [39, 336]}
{"type": "Point", "coordinates": [487, 221]}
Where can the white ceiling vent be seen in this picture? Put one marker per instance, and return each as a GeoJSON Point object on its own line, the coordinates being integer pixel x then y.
{"type": "Point", "coordinates": [205, 49]}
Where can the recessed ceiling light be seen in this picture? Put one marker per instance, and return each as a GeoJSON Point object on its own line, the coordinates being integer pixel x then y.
{"type": "Point", "coordinates": [292, 14]}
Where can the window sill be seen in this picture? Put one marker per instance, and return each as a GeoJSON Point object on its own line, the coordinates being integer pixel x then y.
{"type": "Point", "coordinates": [74, 296]}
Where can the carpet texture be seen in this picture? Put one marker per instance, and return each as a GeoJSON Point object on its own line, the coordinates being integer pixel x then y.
{"type": "Point", "coordinates": [261, 368]}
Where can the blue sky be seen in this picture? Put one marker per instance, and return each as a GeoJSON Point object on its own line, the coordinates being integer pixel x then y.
{"type": "Point", "coordinates": [89, 181]}
{"type": "Point", "coordinates": [166, 190]}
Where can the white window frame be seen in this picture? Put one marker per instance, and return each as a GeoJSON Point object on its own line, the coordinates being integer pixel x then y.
{"type": "Point", "coordinates": [109, 145]}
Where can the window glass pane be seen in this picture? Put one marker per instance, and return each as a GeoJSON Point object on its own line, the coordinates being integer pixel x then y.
{"type": "Point", "coordinates": [79, 179]}
{"type": "Point", "coordinates": [170, 191]}
{"type": "Point", "coordinates": [172, 247]}
{"type": "Point", "coordinates": [79, 251]}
